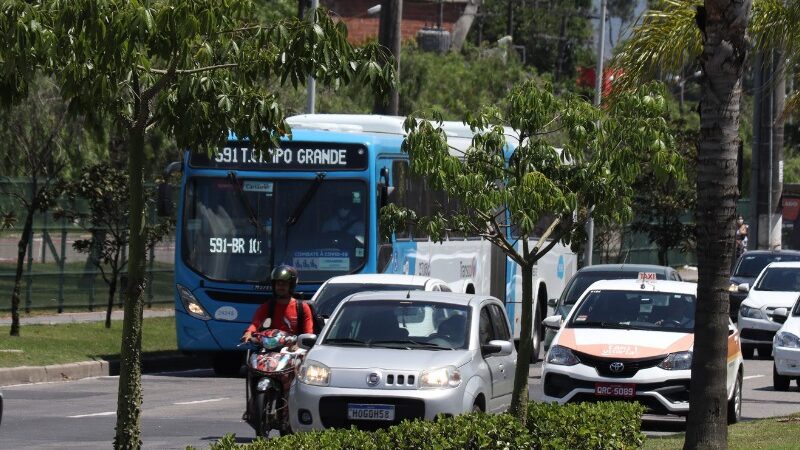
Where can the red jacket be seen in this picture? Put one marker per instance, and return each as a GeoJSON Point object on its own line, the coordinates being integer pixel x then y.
{"type": "Point", "coordinates": [284, 319]}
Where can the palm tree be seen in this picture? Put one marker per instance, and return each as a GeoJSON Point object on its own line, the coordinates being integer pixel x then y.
{"type": "Point", "coordinates": [713, 35]}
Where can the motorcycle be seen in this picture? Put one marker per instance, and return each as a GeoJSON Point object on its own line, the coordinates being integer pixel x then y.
{"type": "Point", "coordinates": [271, 368]}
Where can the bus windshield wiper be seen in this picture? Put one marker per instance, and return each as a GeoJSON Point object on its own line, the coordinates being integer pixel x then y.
{"type": "Point", "coordinates": [234, 180]}
{"type": "Point", "coordinates": [298, 210]}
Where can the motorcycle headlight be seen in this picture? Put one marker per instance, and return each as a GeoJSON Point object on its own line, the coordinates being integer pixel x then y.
{"type": "Point", "coordinates": [786, 339]}
{"type": "Point", "coordinates": [561, 356]}
{"type": "Point", "coordinates": [443, 377]}
{"type": "Point", "coordinates": [677, 361]}
{"type": "Point", "coordinates": [314, 373]}
{"type": "Point", "coordinates": [750, 312]}
{"type": "Point", "coordinates": [190, 303]}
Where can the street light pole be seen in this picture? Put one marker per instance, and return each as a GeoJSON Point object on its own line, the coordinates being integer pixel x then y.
{"type": "Point", "coordinates": [598, 97]}
{"type": "Point", "coordinates": [311, 83]}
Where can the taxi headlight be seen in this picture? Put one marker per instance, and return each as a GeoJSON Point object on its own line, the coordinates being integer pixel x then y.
{"type": "Point", "coordinates": [786, 339]}
{"type": "Point", "coordinates": [443, 377]}
{"type": "Point", "coordinates": [314, 373]}
{"type": "Point", "coordinates": [190, 303]}
{"type": "Point", "coordinates": [561, 356]}
{"type": "Point", "coordinates": [677, 361]}
{"type": "Point", "coordinates": [750, 312]}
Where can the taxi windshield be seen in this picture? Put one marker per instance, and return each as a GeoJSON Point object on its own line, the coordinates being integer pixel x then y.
{"type": "Point", "coordinates": [635, 310]}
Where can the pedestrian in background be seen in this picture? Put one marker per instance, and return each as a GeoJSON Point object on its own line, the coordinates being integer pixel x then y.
{"type": "Point", "coordinates": [741, 236]}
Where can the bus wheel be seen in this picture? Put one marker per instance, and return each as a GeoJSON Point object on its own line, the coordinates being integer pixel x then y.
{"type": "Point", "coordinates": [226, 364]}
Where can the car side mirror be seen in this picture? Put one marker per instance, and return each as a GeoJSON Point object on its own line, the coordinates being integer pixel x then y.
{"type": "Point", "coordinates": [744, 287]}
{"type": "Point", "coordinates": [497, 347]}
{"type": "Point", "coordinates": [551, 302]}
{"type": "Point", "coordinates": [306, 341]}
{"type": "Point", "coordinates": [780, 315]}
{"type": "Point", "coordinates": [553, 322]}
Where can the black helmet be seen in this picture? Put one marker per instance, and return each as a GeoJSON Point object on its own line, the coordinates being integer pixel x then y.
{"type": "Point", "coordinates": [285, 273]}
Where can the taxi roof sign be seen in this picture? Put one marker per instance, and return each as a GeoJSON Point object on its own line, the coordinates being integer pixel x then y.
{"type": "Point", "coordinates": [647, 276]}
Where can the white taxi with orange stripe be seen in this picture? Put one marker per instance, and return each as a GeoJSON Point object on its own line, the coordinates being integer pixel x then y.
{"type": "Point", "coordinates": [632, 340]}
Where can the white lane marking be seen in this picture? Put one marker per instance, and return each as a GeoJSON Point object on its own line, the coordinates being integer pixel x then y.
{"type": "Point", "coordinates": [107, 413]}
{"type": "Point", "coordinates": [752, 376]}
{"type": "Point", "coordinates": [202, 401]}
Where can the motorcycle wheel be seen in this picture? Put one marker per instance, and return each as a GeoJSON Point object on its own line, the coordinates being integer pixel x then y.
{"type": "Point", "coordinates": [260, 410]}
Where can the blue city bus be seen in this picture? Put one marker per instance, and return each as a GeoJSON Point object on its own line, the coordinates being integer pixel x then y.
{"type": "Point", "coordinates": [314, 203]}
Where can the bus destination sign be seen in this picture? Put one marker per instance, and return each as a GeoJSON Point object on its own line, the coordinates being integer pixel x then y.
{"type": "Point", "coordinates": [289, 156]}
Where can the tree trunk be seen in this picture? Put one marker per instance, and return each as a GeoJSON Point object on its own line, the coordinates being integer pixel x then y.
{"type": "Point", "coordinates": [519, 397]}
{"type": "Point", "coordinates": [463, 24]}
{"type": "Point", "coordinates": [112, 289]}
{"type": "Point", "coordinates": [22, 246]}
{"type": "Point", "coordinates": [723, 25]}
{"type": "Point", "coordinates": [129, 399]}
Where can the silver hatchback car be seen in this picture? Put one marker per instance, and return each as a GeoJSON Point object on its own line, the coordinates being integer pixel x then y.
{"type": "Point", "coordinates": [388, 356]}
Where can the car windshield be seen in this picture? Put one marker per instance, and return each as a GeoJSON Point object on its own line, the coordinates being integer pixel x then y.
{"type": "Point", "coordinates": [332, 294]}
{"type": "Point", "coordinates": [779, 279]}
{"type": "Point", "coordinates": [635, 310]}
{"type": "Point", "coordinates": [400, 324]}
{"type": "Point", "coordinates": [750, 265]}
{"type": "Point", "coordinates": [583, 280]}
{"type": "Point", "coordinates": [237, 229]}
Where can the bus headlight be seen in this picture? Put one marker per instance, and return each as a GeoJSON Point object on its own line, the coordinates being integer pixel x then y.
{"type": "Point", "coordinates": [191, 305]}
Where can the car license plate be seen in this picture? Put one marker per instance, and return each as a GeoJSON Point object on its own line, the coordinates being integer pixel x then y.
{"type": "Point", "coordinates": [615, 390]}
{"type": "Point", "coordinates": [358, 411]}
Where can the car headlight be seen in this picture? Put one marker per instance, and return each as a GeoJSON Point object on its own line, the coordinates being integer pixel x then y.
{"type": "Point", "coordinates": [314, 373]}
{"type": "Point", "coordinates": [750, 312]}
{"type": "Point", "coordinates": [733, 287]}
{"type": "Point", "coordinates": [190, 303]}
{"type": "Point", "coordinates": [677, 361]}
{"type": "Point", "coordinates": [561, 356]}
{"type": "Point", "coordinates": [443, 377]}
{"type": "Point", "coordinates": [786, 339]}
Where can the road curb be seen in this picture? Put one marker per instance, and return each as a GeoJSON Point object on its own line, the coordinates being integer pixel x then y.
{"type": "Point", "coordinates": [88, 369]}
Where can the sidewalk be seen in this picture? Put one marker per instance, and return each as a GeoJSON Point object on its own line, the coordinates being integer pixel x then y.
{"type": "Point", "coordinates": [97, 368]}
{"type": "Point", "coordinates": [82, 317]}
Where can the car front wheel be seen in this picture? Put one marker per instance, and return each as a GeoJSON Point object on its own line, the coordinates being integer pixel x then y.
{"type": "Point", "coordinates": [779, 382]}
{"type": "Point", "coordinates": [735, 402]}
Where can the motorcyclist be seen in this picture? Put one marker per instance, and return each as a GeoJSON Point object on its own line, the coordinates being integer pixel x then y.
{"type": "Point", "coordinates": [284, 310]}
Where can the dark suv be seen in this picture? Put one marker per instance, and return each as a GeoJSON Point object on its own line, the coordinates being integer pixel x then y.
{"type": "Point", "coordinates": [746, 271]}
{"type": "Point", "coordinates": [588, 275]}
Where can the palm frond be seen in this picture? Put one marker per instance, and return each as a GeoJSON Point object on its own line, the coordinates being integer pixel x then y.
{"type": "Point", "coordinates": [666, 40]}
{"type": "Point", "coordinates": [792, 105]}
{"type": "Point", "coordinates": [776, 25]}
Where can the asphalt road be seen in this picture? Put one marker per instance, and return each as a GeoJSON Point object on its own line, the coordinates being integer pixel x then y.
{"type": "Point", "coordinates": [195, 408]}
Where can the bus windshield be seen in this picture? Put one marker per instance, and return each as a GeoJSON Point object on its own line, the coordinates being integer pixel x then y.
{"type": "Point", "coordinates": [237, 229]}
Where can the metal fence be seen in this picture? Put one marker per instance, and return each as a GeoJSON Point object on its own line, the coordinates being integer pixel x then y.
{"type": "Point", "coordinates": [56, 276]}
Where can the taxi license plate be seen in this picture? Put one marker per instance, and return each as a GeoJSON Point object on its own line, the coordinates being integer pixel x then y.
{"type": "Point", "coordinates": [615, 390]}
{"type": "Point", "coordinates": [358, 411]}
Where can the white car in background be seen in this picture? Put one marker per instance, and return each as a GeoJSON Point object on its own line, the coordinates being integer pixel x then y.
{"type": "Point", "coordinates": [786, 348]}
{"type": "Point", "coordinates": [633, 340]}
{"type": "Point", "coordinates": [777, 286]}
{"type": "Point", "coordinates": [388, 356]}
{"type": "Point", "coordinates": [333, 291]}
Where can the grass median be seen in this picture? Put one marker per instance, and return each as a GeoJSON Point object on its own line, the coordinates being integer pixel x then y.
{"type": "Point", "coordinates": [775, 433]}
{"type": "Point", "coordinates": [40, 345]}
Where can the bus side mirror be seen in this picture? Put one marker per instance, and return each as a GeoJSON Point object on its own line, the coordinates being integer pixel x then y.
{"type": "Point", "coordinates": [164, 200]}
{"type": "Point", "coordinates": [164, 203]}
